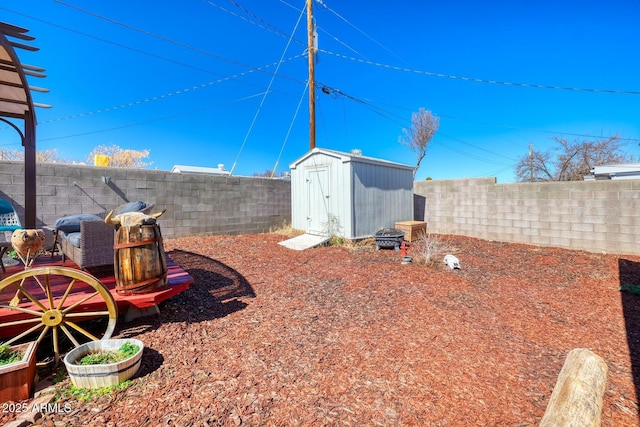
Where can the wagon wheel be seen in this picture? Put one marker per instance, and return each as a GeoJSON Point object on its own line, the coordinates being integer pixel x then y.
{"type": "Point", "coordinates": [42, 297]}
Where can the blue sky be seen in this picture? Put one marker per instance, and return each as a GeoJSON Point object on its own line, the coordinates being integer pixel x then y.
{"type": "Point", "coordinates": [187, 79]}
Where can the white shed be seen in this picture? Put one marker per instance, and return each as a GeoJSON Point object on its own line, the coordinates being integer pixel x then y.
{"type": "Point", "coordinates": [348, 194]}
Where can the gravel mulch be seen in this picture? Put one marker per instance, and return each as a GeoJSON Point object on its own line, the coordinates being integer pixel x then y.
{"type": "Point", "coordinates": [350, 336]}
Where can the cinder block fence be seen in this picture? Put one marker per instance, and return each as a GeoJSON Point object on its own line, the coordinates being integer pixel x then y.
{"type": "Point", "coordinates": [596, 216]}
{"type": "Point", "coordinates": [196, 204]}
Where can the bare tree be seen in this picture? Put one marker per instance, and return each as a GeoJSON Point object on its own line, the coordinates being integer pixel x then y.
{"type": "Point", "coordinates": [6, 154]}
{"type": "Point", "coordinates": [570, 161]}
{"type": "Point", "coordinates": [43, 156]}
{"type": "Point", "coordinates": [50, 156]}
{"type": "Point", "coordinates": [424, 126]}
{"type": "Point", "coordinates": [268, 173]}
{"type": "Point", "coordinates": [120, 157]}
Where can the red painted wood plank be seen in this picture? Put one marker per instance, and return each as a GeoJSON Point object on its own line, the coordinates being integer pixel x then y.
{"type": "Point", "coordinates": [178, 280]}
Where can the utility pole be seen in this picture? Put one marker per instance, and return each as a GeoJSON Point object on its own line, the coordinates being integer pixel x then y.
{"type": "Point", "coordinates": [312, 82]}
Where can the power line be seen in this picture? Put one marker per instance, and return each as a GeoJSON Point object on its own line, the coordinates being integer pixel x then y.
{"type": "Point", "coordinates": [157, 97]}
{"type": "Point", "coordinates": [180, 44]}
{"type": "Point", "coordinates": [143, 52]}
{"type": "Point", "coordinates": [384, 113]}
{"type": "Point", "coordinates": [265, 25]}
{"type": "Point", "coordinates": [477, 80]}
{"type": "Point", "coordinates": [319, 27]}
{"type": "Point", "coordinates": [166, 95]}
{"type": "Point", "coordinates": [466, 154]}
{"type": "Point", "coordinates": [140, 51]}
{"type": "Point", "coordinates": [255, 117]}
{"type": "Point", "coordinates": [364, 103]}
{"type": "Point", "coordinates": [252, 69]}
{"type": "Point", "coordinates": [286, 138]}
{"type": "Point", "coordinates": [154, 35]}
{"type": "Point", "coordinates": [270, 27]}
{"type": "Point", "coordinates": [555, 132]}
{"type": "Point", "coordinates": [336, 39]}
{"type": "Point", "coordinates": [11, 143]}
{"type": "Point", "coordinates": [359, 30]}
{"type": "Point", "coordinates": [476, 147]}
{"type": "Point", "coordinates": [494, 172]}
{"type": "Point", "coordinates": [173, 116]}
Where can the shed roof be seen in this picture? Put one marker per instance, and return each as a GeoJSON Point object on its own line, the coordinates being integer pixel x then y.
{"type": "Point", "coordinates": [354, 156]}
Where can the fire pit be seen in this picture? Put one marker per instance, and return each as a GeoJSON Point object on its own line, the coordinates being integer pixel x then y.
{"type": "Point", "coordinates": [389, 238]}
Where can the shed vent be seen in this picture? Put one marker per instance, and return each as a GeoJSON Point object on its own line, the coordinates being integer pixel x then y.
{"type": "Point", "coordinates": [356, 152]}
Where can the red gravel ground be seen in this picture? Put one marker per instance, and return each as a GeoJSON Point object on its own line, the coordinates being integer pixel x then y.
{"type": "Point", "coordinates": [338, 336]}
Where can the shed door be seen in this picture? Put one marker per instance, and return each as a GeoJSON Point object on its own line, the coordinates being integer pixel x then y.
{"type": "Point", "coordinates": [317, 181]}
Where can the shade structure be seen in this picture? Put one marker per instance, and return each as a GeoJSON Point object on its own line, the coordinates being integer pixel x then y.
{"type": "Point", "coordinates": [16, 103]}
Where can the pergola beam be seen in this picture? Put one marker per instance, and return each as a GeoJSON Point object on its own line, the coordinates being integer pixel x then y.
{"type": "Point", "coordinates": [16, 103]}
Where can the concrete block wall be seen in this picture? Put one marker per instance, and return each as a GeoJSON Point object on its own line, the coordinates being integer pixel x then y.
{"type": "Point", "coordinates": [596, 216]}
{"type": "Point", "coordinates": [196, 204]}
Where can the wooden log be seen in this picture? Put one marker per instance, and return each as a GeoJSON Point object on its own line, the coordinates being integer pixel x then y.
{"type": "Point", "coordinates": [576, 399]}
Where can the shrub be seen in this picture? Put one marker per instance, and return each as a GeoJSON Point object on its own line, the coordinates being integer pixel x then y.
{"type": "Point", "coordinates": [9, 356]}
{"type": "Point", "coordinates": [286, 230]}
{"type": "Point", "coordinates": [105, 357]}
{"type": "Point", "coordinates": [430, 249]}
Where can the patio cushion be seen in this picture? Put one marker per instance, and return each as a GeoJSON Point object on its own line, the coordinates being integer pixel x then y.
{"type": "Point", "coordinates": [73, 238]}
{"type": "Point", "coordinates": [9, 220]}
{"type": "Point", "coordinates": [5, 207]}
{"type": "Point", "coordinates": [130, 207]}
{"type": "Point", "coordinates": [71, 223]}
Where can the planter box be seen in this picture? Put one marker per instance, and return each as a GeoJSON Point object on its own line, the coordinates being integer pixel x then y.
{"type": "Point", "coordinates": [413, 229]}
{"type": "Point", "coordinates": [105, 375]}
{"type": "Point", "coordinates": [16, 379]}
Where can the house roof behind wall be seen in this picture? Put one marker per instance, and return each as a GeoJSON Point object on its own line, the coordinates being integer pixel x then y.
{"type": "Point", "coordinates": [616, 171]}
{"type": "Point", "coordinates": [220, 170]}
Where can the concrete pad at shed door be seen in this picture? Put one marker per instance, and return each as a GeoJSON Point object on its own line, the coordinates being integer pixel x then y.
{"type": "Point", "coordinates": [304, 241]}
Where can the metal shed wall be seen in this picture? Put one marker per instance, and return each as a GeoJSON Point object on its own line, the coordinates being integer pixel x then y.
{"type": "Point", "coordinates": [360, 195]}
{"type": "Point", "coordinates": [382, 196]}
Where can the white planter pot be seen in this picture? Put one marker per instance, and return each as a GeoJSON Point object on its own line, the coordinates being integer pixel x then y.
{"type": "Point", "coordinates": [97, 376]}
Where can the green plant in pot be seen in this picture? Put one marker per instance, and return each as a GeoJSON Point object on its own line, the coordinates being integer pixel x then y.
{"type": "Point", "coordinates": [10, 354]}
{"type": "Point", "coordinates": [106, 357]}
{"type": "Point", "coordinates": [17, 371]}
{"type": "Point", "coordinates": [104, 363]}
